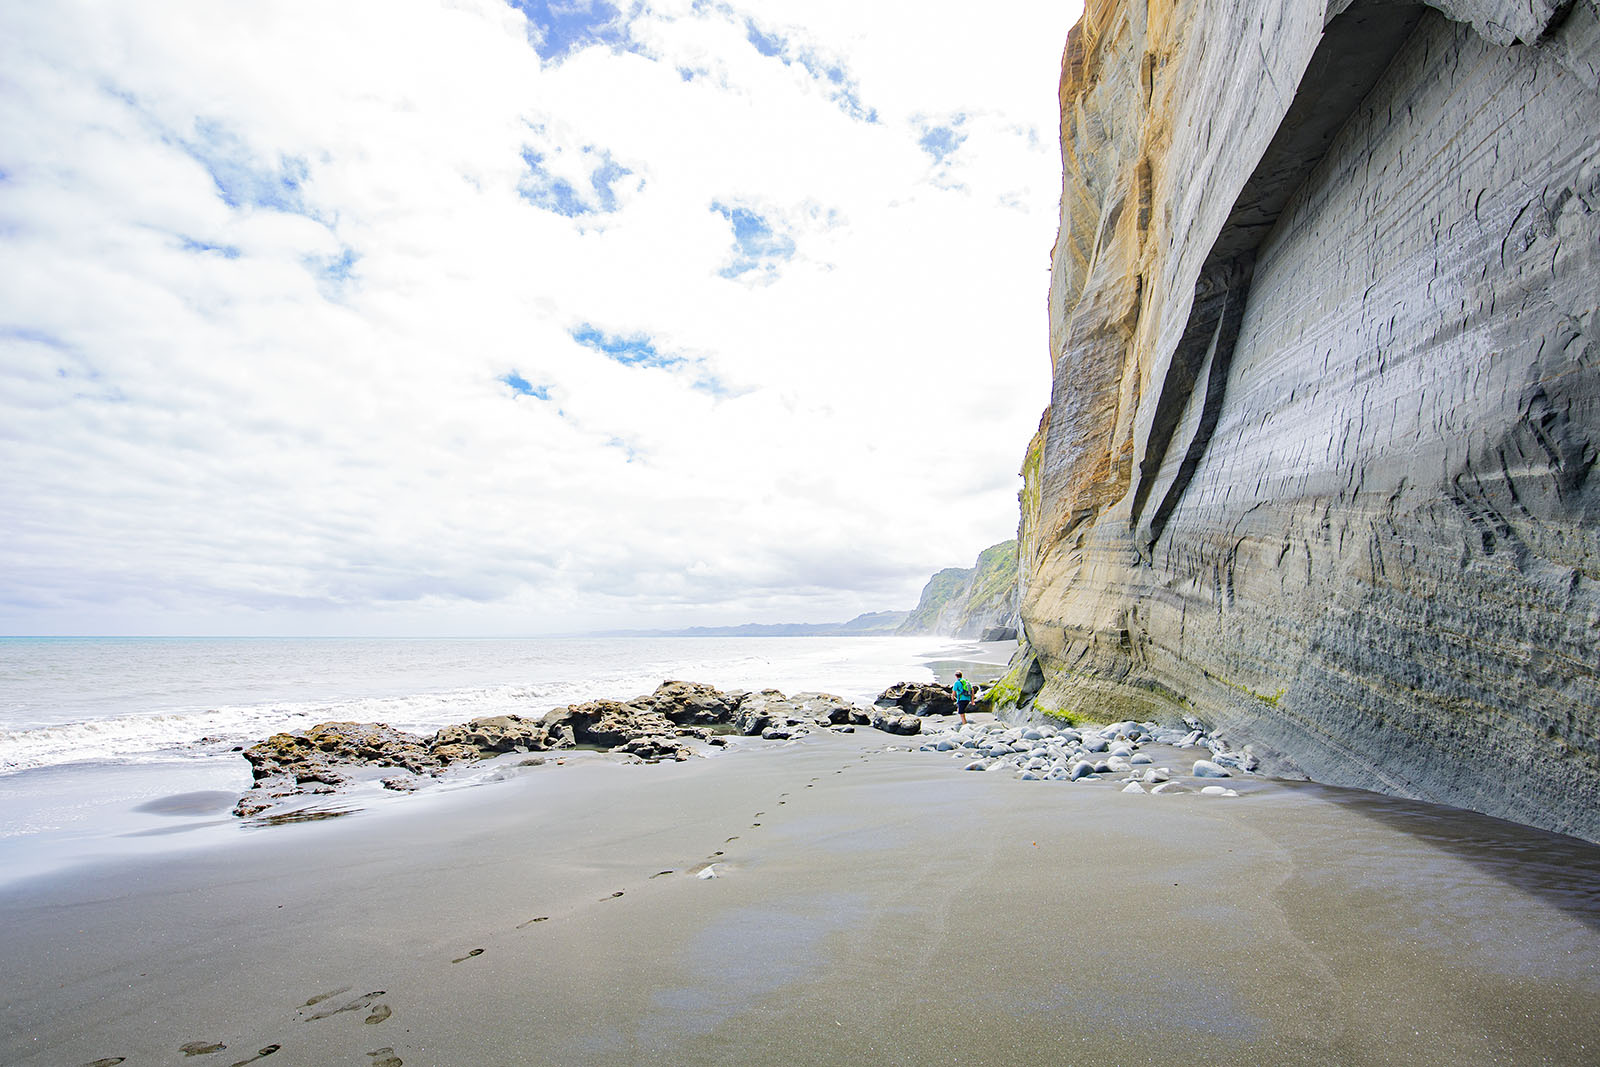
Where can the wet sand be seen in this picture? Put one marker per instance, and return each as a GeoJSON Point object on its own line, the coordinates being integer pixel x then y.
{"type": "Point", "coordinates": [869, 906]}
{"type": "Point", "coordinates": [981, 661]}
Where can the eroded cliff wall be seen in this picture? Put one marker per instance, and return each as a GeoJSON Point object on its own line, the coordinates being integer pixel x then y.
{"type": "Point", "coordinates": [1317, 462]}
{"type": "Point", "coordinates": [969, 601]}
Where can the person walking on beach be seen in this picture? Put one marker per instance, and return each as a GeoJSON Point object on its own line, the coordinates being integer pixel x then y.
{"type": "Point", "coordinates": [963, 693]}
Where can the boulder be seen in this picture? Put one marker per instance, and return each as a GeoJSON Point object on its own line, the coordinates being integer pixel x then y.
{"type": "Point", "coordinates": [656, 747]}
{"type": "Point", "coordinates": [309, 756]}
{"type": "Point", "coordinates": [891, 723]}
{"type": "Point", "coordinates": [607, 723]}
{"type": "Point", "coordinates": [488, 736]}
{"type": "Point", "coordinates": [827, 706]}
{"type": "Point", "coordinates": [692, 702]}
{"type": "Point", "coordinates": [757, 711]}
{"type": "Point", "coordinates": [918, 698]}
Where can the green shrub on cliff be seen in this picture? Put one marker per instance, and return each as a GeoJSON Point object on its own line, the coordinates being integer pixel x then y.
{"type": "Point", "coordinates": [960, 600]}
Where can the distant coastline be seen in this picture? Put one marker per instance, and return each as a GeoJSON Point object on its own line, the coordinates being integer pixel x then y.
{"type": "Point", "coordinates": [871, 624]}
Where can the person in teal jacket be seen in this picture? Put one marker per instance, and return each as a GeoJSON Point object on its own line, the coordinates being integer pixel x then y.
{"type": "Point", "coordinates": [963, 692]}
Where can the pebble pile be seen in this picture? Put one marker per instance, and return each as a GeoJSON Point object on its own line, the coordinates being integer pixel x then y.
{"type": "Point", "coordinates": [1095, 753]}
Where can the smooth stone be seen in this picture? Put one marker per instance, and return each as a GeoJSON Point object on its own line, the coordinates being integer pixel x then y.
{"type": "Point", "coordinates": [1142, 758]}
{"type": "Point", "coordinates": [1217, 791]}
{"type": "Point", "coordinates": [1081, 769]}
{"type": "Point", "coordinates": [1133, 787]}
{"type": "Point", "coordinates": [1204, 768]}
{"type": "Point", "coordinates": [977, 765]}
{"type": "Point", "coordinates": [1098, 744]}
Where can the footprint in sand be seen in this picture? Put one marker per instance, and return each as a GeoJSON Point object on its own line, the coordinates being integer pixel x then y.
{"type": "Point", "coordinates": [366, 1000]}
{"type": "Point", "coordinates": [754, 824]}
{"type": "Point", "coordinates": [202, 1048]}
{"type": "Point", "coordinates": [385, 1057]}
{"type": "Point", "coordinates": [265, 1051]}
{"type": "Point", "coordinates": [535, 919]}
{"type": "Point", "coordinates": [109, 1061]}
{"type": "Point", "coordinates": [468, 956]}
{"type": "Point", "coordinates": [613, 896]}
{"type": "Point", "coordinates": [660, 874]}
{"type": "Point", "coordinates": [735, 837]}
{"type": "Point", "coordinates": [380, 1012]}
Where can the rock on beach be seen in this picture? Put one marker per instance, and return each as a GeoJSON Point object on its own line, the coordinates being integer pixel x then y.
{"type": "Point", "coordinates": [665, 725]}
{"type": "Point", "coordinates": [1044, 752]}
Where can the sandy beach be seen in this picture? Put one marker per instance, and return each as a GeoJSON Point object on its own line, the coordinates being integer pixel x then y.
{"type": "Point", "coordinates": [869, 903]}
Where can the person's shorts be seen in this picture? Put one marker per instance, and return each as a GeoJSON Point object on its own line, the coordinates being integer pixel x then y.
{"type": "Point", "coordinates": [961, 706]}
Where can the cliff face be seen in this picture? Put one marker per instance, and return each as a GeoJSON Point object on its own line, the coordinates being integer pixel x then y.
{"type": "Point", "coordinates": [967, 601]}
{"type": "Point", "coordinates": [1317, 462]}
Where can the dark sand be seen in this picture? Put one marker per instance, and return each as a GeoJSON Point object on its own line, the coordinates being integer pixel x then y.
{"type": "Point", "coordinates": [872, 906]}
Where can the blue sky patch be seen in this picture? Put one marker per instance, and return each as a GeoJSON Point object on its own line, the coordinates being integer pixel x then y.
{"type": "Point", "coordinates": [333, 272]}
{"type": "Point", "coordinates": [207, 248]}
{"type": "Point", "coordinates": [941, 142]}
{"type": "Point", "coordinates": [711, 384]}
{"type": "Point", "coordinates": [841, 88]}
{"type": "Point", "coordinates": [557, 28]}
{"type": "Point", "coordinates": [543, 189]}
{"type": "Point", "coordinates": [242, 180]}
{"type": "Point", "coordinates": [32, 336]}
{"type": "Point", "coordinates": [768, 44]}
{"type": "Point", "coordinates": [522, 387]}
{"type": "Point", "coordinates": [757, 246]}
{"type": "Point", "coordinates": [635, 350]}
{"type": "Point", "coordinates": [604, 180]}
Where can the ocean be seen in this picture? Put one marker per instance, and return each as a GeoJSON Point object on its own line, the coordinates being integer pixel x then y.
{"type": "Point", "coordinates": [97, 735]}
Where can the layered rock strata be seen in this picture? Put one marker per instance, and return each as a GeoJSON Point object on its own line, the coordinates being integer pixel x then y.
{"type": "Point", "coordinates": [1317, 462]}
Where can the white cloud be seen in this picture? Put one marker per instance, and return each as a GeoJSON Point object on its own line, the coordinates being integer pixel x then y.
{"type": "Point", "coordinates": [267, 271]}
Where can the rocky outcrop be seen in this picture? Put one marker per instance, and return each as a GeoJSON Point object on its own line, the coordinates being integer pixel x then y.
{"type": "Point", "coordinates": [313, 756]}
{"type": "Point", "coordinates": [661, 726]}
{"type": "Point", "coordinates": [488, 736]}
{"type": "Point", "coordinates": [1326, 404]}
{"type": "Point", "coordinates": [918, 698]}
{"type": "Point", "coordinates": [968, 601]}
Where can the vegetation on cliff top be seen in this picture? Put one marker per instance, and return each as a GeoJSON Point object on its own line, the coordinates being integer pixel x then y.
{"type": "Point", "coordinates": [957, 600]}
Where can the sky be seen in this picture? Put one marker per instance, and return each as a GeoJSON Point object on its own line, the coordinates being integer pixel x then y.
{"type": "Point", "coordinates": [449, 317]}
